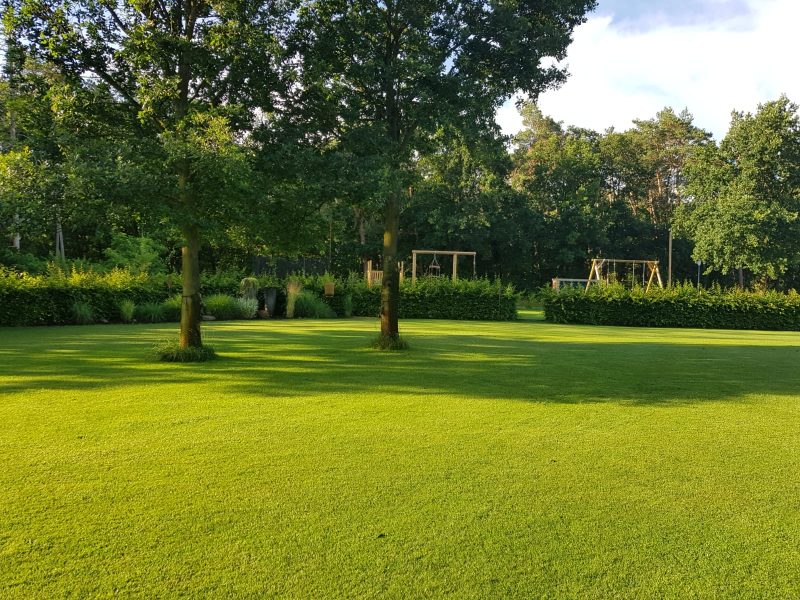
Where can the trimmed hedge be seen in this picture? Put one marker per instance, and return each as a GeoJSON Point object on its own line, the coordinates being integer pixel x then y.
{"type": "Point", "coordinates": [40, 300]}
{"type": "Point", "coordinates": [427, 298]}
{"type": "Point", "coordinates": [49, 299]}
{"type": "Point", "coordinates": [680, 306]}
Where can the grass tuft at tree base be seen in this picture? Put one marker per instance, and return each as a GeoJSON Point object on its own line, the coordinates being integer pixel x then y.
{"type": "Point", "coordinates": [171, 351]}
{"type": "Point", "coordinates": [390, 343]}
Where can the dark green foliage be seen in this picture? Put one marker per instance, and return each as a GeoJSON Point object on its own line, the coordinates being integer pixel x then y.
{"type": "Point", "coordinates": [428, 298]}
{"type": "Point", "coordinates": [308, 305]}
{"type": "Point", "coordinates": [680, 306]}
{"type": "Point", "coordinates": [390, 343]}
{"type": "Point", "coordinates": [172, 309]}
{"type": "Point", "coordinates": [222, 307]}
{"type": "Point", "coordinates": [127, 311]}
{"type": "Point", "coordinates": [82, 313]}
{"type": "Point", "coordinates": [248, 287]}
{"type": "Point", "coordinates": [247, 308]}
{"type": "Point", "coordinates": [347, 305]}
{"type": "Point", "coordinates": [171, 351]}
{"type": "Point", "coordinates": [48, 300]}
{"type": "Point", "coordinates": [151, 312]}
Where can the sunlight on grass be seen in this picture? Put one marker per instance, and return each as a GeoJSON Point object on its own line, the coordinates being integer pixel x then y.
{"type": "Point", "coordinates": [513, 459]}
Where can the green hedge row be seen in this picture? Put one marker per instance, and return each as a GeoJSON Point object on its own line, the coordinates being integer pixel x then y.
{"type": "Point", "coordinates": [49, 299]}
{"type": "Point", "coordinates": [680, 306]}
{"type": "Point", "coordinates": [28, 300]}
{"type": "Point", "coordinates": [427, 298]}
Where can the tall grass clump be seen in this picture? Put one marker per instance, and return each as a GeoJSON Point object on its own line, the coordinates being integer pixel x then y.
{"type": "Point", "coordinates": [248, 288]}
{"type": "Point", "coordinates": [307, 305]}
{"type": "Point", "coordinates": [248, 307]}
{"type": "Point", "coordinates": [82, 313]}
{"type": "Point", "coordinates": [293, 289]}
{"type": "Point", "coordinates": [389, 343]}
{"type": "Point", "coordinates": [171, 351]}
{"type": "Point", "coordinates": [150, 312]}
{"type": "Point", "coordinates": [222, 307]}
{"type": "Point", "coordinates": [347, 305]}
{"type": "Point", "coordinates": [127, 311]}
{"type": "Point", "coordinates": [172, 308]}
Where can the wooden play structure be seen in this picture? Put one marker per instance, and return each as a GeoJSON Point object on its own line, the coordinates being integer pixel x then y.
{"type": "Point", "coordinates": [375, 277]}
{"type": "Point", "coordinates": [604, 270]}
{"type": "Point", "coordinates": [434, 269]}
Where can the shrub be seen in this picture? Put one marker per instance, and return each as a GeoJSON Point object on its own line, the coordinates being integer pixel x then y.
{"type": "Point", "coordinates": [307, 305]}
{"type": "Point", "coordinates": [292, 292]}
{"type": "Point", "coordinates": [247, 308]}
{"type": "Point", "coordinates": [347, 305]}
{"type": "Point", "coordinates": [172, 308]}
{"type": "Point", "coordinates": [248, 288]}
{"type": "Point", "coordinates": [220, 282]}
{"type": "Point", "coordinates": [127, 311]}
{"type": "Point", "coordinates": [151, 312]}
{"type": "Point", "coordinates": [48, 299]}
{"type": "Point", "coordinates": [171, 351]}
{"type": "Point", "coordinates": [679, 306]}
{"type": "Point", "coordinates": [389, 343]}
{"type": "Point", "coordinates": [82, 313]}
{"type": "Point", "coordinates": [222, 307]}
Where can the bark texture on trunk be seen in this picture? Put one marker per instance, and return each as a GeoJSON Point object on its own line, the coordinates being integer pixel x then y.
{"type": "Point", "coordinates": [191, 316]}
{"type": "Point", "coordinates": [390, 285]}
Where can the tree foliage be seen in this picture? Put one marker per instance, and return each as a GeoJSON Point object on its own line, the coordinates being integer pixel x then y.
{"type": "Point", "coordinates": [746, 194]}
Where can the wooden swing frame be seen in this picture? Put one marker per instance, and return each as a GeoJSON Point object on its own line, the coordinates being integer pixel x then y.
{"type": "Point", "coordinates": [454, 253]}
{"type": "Point", "coordinates": [598, 264]}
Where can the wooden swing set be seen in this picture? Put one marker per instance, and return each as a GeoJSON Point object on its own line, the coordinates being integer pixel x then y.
{"type": "Point", "coordinates": [434, 268]}
{"type": "Point", "coordinates": [604, 269]}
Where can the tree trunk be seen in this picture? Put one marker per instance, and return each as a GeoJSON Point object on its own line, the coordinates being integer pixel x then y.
{"type": "Point", "coordinates": [190, 306]}
{"type": "Point", "coordinates": [741, 279]}
{"type": "Point", "coordinates": [390, 284]}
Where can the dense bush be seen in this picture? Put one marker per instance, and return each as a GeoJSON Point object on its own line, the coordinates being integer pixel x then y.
{"type": "Point", "coordinates": [82, 313]}
{"type": "Point", "coordinates": [127, 311]}
{"type": "Point", "coordinates": [172, 308]}
{"type": "Point", "coordinates": [679, 306]}
{"type": "Point", "coordinates": [308, 305]}
{"type": "Point", "coordinates": [48, 299]}
{"type": "Point", "coordinates": [171, 351]}
{"type": "Point", "coordinates": [221, 307]}
{"type": "Point", "coordinates": [247, 308]}
{"type": "Point", "coordinates": [150, 312]}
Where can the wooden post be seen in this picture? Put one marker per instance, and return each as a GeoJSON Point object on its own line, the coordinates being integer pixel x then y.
{"type": "Point", "coordinates": [455, 267]}
{"type": "Point", "coordinates": [658, 275]}
{"type": "Point", "coordinates": [591, 274]}
{"type": "Point", "coordinates": [650, 280]}
{"type": "Point", "coordinates": [413, 266]}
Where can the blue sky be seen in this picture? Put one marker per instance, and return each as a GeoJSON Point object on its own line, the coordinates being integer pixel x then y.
{"type": "Point", "coordinates": [634, 57]}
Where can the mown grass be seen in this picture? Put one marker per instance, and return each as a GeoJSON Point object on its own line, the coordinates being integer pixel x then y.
{"type": "Point", "coordinates": [489, 460]}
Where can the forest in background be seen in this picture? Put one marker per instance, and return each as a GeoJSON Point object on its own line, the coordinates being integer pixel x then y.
{"type": "Point", "coordinates": [79, 183]}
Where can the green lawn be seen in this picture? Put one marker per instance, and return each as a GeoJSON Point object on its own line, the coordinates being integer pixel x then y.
{"type": "Point", "coordinates": [491, 460]}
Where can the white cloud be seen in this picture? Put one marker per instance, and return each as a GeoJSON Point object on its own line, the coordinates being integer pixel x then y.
{"type": "Point", "coordinates": [618, 75]}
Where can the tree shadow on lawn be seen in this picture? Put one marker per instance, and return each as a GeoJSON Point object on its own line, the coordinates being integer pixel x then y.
{"type": "Point", "coordinates": [539, 366]}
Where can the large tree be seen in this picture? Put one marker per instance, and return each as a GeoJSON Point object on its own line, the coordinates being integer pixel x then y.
{"type": "Point", "coordinates": [745, 195]}
{"type": "Point", "coordinates": [194, 73]}
{"type": "Point", "coordinates": [396, 71]}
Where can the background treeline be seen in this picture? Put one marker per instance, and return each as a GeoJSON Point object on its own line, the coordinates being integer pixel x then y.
{"type": "Point", "coordinates": [74, 176]}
